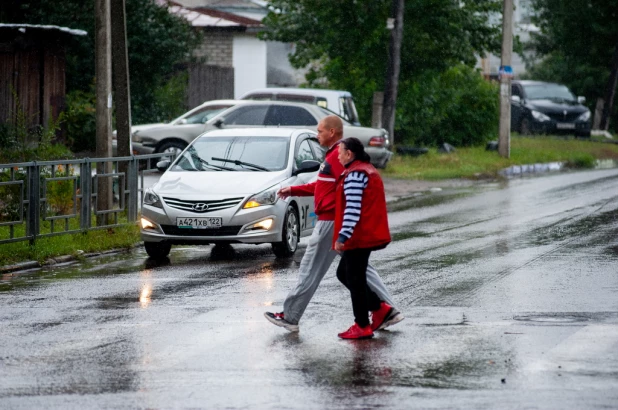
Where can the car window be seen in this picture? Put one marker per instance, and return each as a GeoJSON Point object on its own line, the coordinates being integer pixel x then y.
{"type": "Point", "coordinates": [349, 109]}
{"type": "Point", "coordinates": [318, 151]}
{"type": "Point", "coordinates": [285, 115]}
{"type": "Point", "coordinates": [308, 99]}
{"type": "Point", "coordinates": [326, 112]}
{"type": "Point", "coordinates": [321, 101]}
{"type": "Point", "coordinates": [259, 97]}
{"type": "Point", "coordinates": [548, 92]}
{"type": "Point", "coordinates": [515, 91]}
{"type": "Point", "coordinates": [303, 153]}
{"type": "Point", "coordinates": [247, 115]}
{"type": "Point", "coordinates": [202, 115]}
{"type": "Point", "coordinates": [267, 152]}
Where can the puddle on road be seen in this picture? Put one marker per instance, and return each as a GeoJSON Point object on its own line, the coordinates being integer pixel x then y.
{"type": "Point", "coordinates": [554, 318]}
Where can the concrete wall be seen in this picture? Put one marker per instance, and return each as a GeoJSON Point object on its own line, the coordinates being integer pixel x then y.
{"type": "Point", "coordinates": [249, 60]}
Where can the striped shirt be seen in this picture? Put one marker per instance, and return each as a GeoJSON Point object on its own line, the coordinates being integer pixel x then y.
{"type": "Point", "coordinates": [353, 187]}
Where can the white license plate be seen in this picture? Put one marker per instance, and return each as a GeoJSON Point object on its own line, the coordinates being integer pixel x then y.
{"type": "Point", "coordinates": [199, 223]}
{"type": "Point", "coordinates": [565, 126]}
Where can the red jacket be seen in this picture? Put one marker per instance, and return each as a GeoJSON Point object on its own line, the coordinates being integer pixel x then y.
{"type": "Point", "coordinates": [324, 188]}
{"type": "Point", "coordinates": [371, 231]}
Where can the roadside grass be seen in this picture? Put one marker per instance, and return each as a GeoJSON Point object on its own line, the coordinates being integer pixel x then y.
{"type": "Point", "coordinates": [70, 244]}
{"type": "Point", "coordinates": [476, 162]}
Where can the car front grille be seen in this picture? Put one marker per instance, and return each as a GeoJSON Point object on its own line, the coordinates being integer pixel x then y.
{"type": "Point", "coordinates": [201, 207]}
{"type": "Point", "coordinates": [569, 117]}
{"type": "Point", "coordinates": [223, 231]}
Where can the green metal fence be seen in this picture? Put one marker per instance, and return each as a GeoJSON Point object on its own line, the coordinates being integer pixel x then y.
{"type": "Point", "coordinates": [47, 198]}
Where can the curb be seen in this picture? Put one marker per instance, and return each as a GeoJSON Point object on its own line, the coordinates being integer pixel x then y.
{"type": "Point", "coordinates": [20, 266]}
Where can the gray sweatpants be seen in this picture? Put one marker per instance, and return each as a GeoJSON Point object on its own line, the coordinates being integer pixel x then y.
{"type": "Point", "coordinates": [314, 265]}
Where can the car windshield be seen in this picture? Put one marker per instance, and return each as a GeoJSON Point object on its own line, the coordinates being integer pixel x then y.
{"type": "Point", "coordinates": [548, 92]}
{"type": "Point", "coordinates": [251, 154]}
{"type": "Point", "coordinates": [200, 116]}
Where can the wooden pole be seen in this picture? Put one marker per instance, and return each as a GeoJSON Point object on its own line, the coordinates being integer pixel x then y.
{"type": "Point", "coordinates": [120, 65]}
{"type": "Point", "coordinates": [103, 71]}
{"type": "Point", "coordinates": [504, 138]}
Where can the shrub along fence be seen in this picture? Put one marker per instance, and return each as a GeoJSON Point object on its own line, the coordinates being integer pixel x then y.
{"type": "Point", "coordinates": [47, 198]}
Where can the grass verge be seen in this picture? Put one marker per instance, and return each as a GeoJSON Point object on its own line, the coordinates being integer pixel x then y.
{"type": "Point", "coordinates": [70, 244]}
{"type": "Point", "coordinates": [476, 162]}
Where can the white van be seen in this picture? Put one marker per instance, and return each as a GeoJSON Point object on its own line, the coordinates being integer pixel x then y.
{"type": "Point", "coordinates": [340, 102]}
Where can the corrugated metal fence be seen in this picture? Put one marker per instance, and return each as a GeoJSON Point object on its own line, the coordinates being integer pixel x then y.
{"type": "Point", "coordinates": [47, 198]}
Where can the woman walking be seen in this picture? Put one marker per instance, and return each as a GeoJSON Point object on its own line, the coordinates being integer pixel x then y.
{"type": "Point", "coordinates": [361, 226]}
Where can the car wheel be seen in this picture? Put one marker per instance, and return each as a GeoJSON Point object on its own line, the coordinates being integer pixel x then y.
{"type": "Point", "coordinates": [174, 148]}
{"type": "Point", "coordinates": [290, 235]}
{"type": "Point", "coordinates": [157, 250]}
{"type": "Point", "coordinates": [524, 127]}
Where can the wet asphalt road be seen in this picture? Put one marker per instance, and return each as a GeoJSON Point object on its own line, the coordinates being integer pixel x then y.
{"type": "Point", "coordinates": [510, 293]}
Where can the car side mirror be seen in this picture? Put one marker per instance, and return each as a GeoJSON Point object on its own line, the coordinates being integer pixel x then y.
{"type": "Point", "coordinates": [182, 121]}
{"type": "Point", "coordinates": [163, 165]}
{"type": "Point", "coordinates": [581, 99]}
{"type": "Point", "coordinates": [515, 98]}
{"type": "Point", "coordinates": [309, 165]}
{"type": "Point", "coordinates": [218, 123]}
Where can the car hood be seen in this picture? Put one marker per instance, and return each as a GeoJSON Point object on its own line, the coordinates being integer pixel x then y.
{"type": "Point", "coordinates": [554, 107]}
{"type": "Point", "coordinates": [214, 185]}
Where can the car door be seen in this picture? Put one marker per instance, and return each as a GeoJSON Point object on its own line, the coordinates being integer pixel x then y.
{"type": "Point", "coordinates": [303, 151]}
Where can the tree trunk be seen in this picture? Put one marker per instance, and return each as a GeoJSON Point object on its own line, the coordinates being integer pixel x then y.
{"type": "Point", "coordinates": [610, 92]}
{"type": "Point", "coordinates": [392, 71]}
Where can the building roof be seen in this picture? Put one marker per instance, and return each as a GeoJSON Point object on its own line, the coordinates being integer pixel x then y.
{"type": "Point", "coordinates": [24, 27]}
{"type": "Point", "coordinates": [202, 16]}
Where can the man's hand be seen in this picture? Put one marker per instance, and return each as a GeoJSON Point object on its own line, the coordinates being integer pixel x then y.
{"type": "Point", "coordinates": [284, 192]}
{"type": "Point", "coordinates": [339, 246]}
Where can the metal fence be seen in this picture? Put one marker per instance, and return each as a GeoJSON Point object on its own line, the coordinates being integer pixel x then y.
{"type": "Point", "coordinates": [46, 198]}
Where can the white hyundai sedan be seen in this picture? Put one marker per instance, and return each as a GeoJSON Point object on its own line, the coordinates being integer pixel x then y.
{"type": "Point", "coordinates": [222, 189]}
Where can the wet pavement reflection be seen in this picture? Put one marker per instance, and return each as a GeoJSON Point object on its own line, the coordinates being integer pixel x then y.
{"type": "Point", "coordinates": [509, 292]}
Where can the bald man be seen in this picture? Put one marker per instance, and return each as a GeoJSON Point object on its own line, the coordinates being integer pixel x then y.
{"type": "Point", "coordinates": [319, 254]}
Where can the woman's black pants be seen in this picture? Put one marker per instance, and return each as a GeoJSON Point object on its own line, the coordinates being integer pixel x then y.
{"type": "Point", "coordinates": [352, 272]}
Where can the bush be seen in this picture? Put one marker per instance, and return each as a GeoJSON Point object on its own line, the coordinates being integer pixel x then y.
{"type": "Point", "coordinates": [457, 107]}
{"type": "Point", "coordinates": [80, 121]}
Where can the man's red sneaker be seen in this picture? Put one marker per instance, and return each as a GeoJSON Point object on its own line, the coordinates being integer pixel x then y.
{"type": "Point", "coordinates": [379, 316]}
{"type": "Point", "coordinates": [357, 332]}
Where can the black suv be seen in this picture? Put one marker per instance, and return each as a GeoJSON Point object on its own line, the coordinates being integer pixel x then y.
{"type": "Point", "coordinates": [547, 108]}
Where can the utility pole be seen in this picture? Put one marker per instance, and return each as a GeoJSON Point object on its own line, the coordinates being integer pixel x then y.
{"type": "Point", "coordinates": [120, 65]}
{"type": "Point", "coordinates": [103, 69]}
{"type": "Point", "coordinates": [610, 92]}
{"type": "Point", "coordinates": [506, 73]}
{"type": "Point", "coordinates": [395, 24]}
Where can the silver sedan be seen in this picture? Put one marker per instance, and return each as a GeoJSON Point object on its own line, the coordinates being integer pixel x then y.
{"type": "Point", "coordinates": [222, 189]}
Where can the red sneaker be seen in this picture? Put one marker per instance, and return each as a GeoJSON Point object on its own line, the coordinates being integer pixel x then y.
{"type": "Point", "coordinates": [379, 316]}
{"type": "Point", "coordinates": [357, 332]}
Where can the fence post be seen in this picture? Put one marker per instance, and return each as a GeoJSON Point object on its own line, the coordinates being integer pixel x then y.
{"type": "Point", "coordinates": [86, 190]}
{"type": "Point", "coordinates": [34, 203]}
{"type": "Point", "coordinates": [132, 176]}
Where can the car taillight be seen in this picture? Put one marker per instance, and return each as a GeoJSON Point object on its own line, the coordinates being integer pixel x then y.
{"type": "Point", "coordinates": [377, 141]}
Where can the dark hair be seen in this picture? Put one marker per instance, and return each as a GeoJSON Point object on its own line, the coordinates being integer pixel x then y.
{"type": "Point", "coordinates": [357, 148]}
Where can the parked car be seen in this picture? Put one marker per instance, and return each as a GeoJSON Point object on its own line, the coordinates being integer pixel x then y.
{"type": "Point", "coordinates": [222, 189]}
{"type": "Point", "coordinates": [547, 108]}
{"type": "Point", "coordinates": [255, 114]}
{"type": "Point", "coordinates": [340, 102]}
{"type": "Point", "coordinates": [198, 115]}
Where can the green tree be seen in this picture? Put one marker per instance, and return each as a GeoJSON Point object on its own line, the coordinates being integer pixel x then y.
{"type": "Point", "coordinates": [577, 44]}
{"type": "Point", "coordinates": [345, 43]}
{"type": "Point", "coordinates": [159, 43]}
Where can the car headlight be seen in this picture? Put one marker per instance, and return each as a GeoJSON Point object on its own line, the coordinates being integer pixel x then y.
{"type": "Point", "coordinates": [266, 197]}
{"type": "Point", "coordinates": [152, 199]}
{"type": "Point", "coordinates": [539, 116]}
{"type": "Point", "coordinates": [584, 117]}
